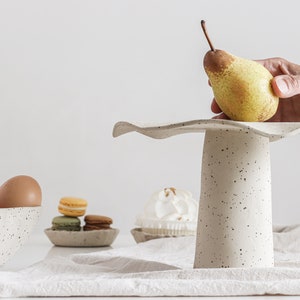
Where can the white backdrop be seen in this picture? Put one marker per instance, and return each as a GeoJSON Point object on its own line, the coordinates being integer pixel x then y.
{"type": "Point", "coordinates": [69, 70]}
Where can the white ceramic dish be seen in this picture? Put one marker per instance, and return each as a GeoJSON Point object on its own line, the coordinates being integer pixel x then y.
{"type": "Point", "coordinates": [93, 238]}
{"type": "Point", "coordinates": [16, 225]}
{"type": "Point", "coordinates": [141, 236]}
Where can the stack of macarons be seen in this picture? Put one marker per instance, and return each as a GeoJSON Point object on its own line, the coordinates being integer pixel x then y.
{"type": "Point", "coordinates": [71, 209]}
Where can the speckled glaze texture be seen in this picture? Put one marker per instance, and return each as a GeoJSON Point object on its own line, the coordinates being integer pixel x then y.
{"type": "Point", "coordinates": [235, 212]}
{"type": "Point", "coordinates": [16, 225]}
{"type": "Point", "coordinates": [273, 130]}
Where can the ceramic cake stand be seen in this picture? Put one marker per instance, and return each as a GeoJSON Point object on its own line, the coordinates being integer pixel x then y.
{"type": "Point", "coordinates": [235, 209]}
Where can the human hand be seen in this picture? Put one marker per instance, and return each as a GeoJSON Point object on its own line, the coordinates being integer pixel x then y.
{"type": "Point", "coordinates": [285, 84]}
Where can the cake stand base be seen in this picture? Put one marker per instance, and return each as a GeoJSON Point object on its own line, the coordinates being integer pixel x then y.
{"type": "Point", "coordinates": [235, 210]}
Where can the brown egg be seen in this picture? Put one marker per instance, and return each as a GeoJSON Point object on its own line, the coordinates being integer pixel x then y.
{"type": "Point", "coordinates": [20, 191]}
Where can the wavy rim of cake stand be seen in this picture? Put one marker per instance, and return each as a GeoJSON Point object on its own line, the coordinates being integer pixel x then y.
{"type": "Point", "coordinates": [273, 130]}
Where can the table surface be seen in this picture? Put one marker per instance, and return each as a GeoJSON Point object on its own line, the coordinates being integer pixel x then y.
{"type": "Point", "coordinates": [38, 247]}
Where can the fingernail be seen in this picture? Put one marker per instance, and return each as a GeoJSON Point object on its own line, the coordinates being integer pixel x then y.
{"type": "Point", "coordinates": [282, 85]}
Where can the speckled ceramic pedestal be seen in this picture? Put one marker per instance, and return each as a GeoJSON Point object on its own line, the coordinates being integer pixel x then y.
{"type": "Point", "coordinates": [235, 210]}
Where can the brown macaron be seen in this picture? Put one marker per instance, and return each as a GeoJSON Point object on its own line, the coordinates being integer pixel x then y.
{"type": "Point", "coordinates": [97, 222]}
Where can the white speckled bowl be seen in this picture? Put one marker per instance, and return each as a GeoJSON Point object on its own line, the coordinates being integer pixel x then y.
{"type": "Point", "coordinates": [16, 225]}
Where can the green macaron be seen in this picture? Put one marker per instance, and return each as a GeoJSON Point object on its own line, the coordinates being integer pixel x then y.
{"type": "Point", "coordinates": [66, 223]}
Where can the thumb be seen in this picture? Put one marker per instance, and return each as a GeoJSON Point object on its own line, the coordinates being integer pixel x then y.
{"type": "Point", "coordinates": [285, 86]}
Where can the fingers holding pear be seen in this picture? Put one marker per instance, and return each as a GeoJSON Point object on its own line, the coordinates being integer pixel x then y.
{"type": "Point", "coordinates": [215, 108]}
{"type": "Point", "coordinates": [286, 81]}
{"type": "Point", "coordinates": [286, 86]}
{"type": "Point", "coordinates": [242, 88]}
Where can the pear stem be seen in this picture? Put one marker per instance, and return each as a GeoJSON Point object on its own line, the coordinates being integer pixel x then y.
{"type": "Point", "coordinates": [206, 35]}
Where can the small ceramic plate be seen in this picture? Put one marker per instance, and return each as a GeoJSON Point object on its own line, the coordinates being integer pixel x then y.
{"type": "Point", "coordinates": [93, 238]}
{"type": "Point", "coordinates": [140, 236]}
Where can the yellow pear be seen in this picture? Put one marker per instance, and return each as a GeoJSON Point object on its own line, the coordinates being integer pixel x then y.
{"type": "Point", "coordinates": [242, 88]}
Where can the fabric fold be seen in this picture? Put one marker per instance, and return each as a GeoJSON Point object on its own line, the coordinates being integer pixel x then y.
{"type": "Point", "coordinates": [161, 267]}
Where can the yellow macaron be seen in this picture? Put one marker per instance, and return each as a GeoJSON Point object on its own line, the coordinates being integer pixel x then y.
{"type": "Point", "coordinates": [72, 206]}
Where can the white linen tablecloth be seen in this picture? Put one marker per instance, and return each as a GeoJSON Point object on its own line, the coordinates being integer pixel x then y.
{"type": "Point", "coordinates": [161, 267]}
